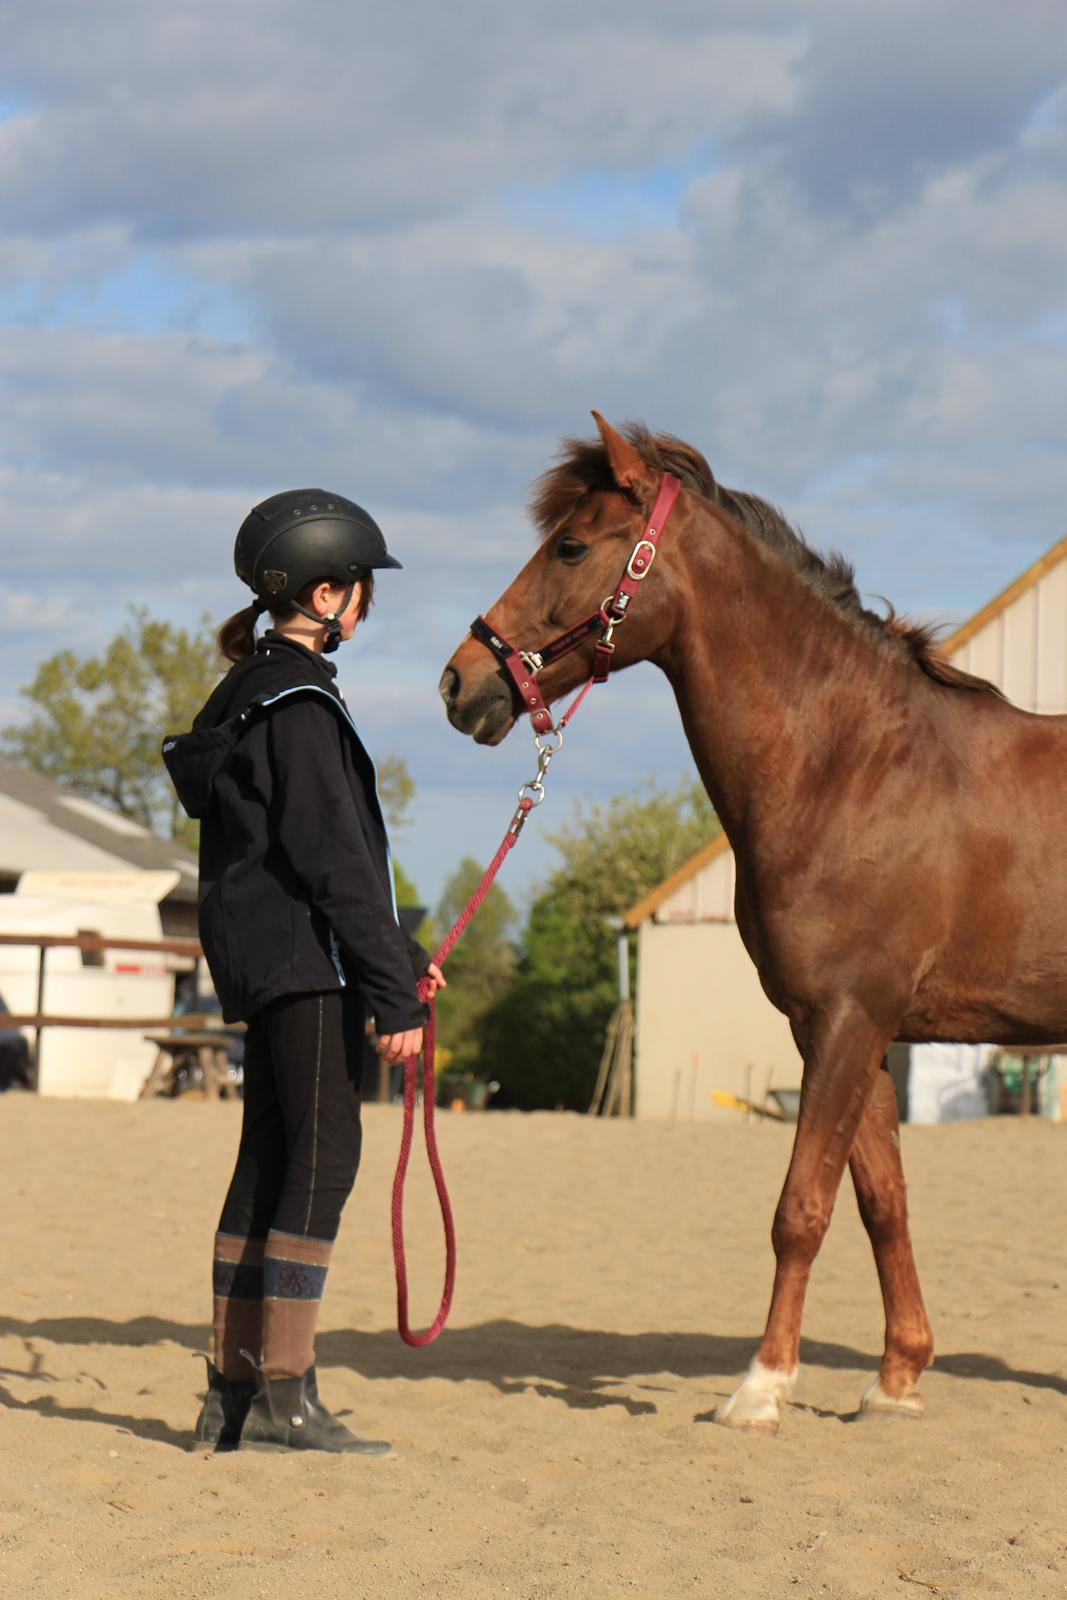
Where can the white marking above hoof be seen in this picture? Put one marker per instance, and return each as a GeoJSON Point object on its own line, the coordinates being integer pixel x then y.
{"type": "Point", "coordinates": [876, 1403]}
{"type": "Point", "coordinates": [756, 1403]}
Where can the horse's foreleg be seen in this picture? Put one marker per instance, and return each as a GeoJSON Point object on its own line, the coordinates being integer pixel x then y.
{"type": "Point", "coordinates": [878, 1176]}
{"type": "Point", "coordinates": [840, 1066]}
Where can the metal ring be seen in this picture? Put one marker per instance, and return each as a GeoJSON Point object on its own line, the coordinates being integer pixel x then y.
{"type": "Point", "coordinates": [549, 749]}
{"type": "Point", "coordinates": [534, 791]}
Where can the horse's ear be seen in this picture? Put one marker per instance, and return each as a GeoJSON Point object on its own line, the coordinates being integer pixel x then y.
{"type": "Point", "coordinates": [630, 470]}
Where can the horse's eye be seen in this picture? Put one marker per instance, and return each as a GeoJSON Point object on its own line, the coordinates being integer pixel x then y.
{"type": "Point", "coordinates": [570, 549]}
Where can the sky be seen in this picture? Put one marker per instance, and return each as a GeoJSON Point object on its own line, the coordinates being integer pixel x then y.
{"type": "Point", "coordinates": [400, 251]}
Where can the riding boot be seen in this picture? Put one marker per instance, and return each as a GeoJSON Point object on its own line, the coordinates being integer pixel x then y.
{"type": "Point", "coordinates": [222, 1415]}
{"type": "Point", "coordinates": [287, 1414]}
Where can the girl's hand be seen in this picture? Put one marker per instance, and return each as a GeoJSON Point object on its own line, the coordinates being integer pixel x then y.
{"type": "Point", "coordinates": [435, 978]}
{"type": "Point", "coordinates": [393, 1047]}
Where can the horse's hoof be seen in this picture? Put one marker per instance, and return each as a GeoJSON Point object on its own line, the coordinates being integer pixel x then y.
{"type": "Point", "coordinates": [876, 1404]}
{"type": "Point", "coordinates": [756, 1404]}
{"type": "Point", "coordinates": [763, 1427]}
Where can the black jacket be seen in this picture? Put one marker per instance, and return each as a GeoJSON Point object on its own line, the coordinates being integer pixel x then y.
{"type": "Point", "coordinates": [296, 887]}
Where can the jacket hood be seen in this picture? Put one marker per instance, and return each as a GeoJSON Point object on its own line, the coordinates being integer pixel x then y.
{"type": "Point", "coordinates": [194, 759]}
{"type": "Point", "coordinates": [279, 667]}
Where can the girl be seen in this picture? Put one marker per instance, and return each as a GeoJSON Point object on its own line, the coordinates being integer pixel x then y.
{"type": "Point", "coordinates": [299, 927]}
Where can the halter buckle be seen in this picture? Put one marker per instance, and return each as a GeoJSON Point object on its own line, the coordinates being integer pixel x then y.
{"type": "Point", "coordinates": [531, 660]}
{"type": "Point", "coordinates": [646, 561]}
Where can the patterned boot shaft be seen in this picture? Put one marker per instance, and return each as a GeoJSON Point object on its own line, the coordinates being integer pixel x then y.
{"type": "Point", "coordinates": [237, 1283]}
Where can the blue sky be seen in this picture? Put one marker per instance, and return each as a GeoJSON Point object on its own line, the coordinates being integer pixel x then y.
{"type": "Point", "coordinates": [400, 251]}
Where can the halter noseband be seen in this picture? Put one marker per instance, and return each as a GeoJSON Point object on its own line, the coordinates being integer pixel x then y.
{"type": "Point", "coordinates": [524, 665]}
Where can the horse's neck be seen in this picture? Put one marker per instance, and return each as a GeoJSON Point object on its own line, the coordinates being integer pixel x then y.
{"type": "Point", "coordinates": [769, 674]}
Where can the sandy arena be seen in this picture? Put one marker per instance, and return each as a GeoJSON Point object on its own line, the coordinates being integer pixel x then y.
{"type": "Point", "coordinates": [556, 1442]}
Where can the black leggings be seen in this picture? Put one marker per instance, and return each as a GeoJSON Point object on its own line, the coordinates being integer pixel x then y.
{"type": "Point", "coordinates": [301, 1135]}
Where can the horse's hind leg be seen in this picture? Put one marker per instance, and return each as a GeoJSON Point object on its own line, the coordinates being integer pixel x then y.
{"type": "Point", "coordinates": [841, 1063]}
{"type": "Point", "coordinates": [878, 1177]}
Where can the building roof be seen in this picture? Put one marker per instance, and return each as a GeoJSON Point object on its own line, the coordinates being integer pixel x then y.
{"type": "Point", "coordinates": [989, 613]}
{"type": "Point", "coordinates": [688, 869]}
{"type": "Point", "coordinates": [45, 827]}
{"type": "Point", "coordinates": [652, 901]}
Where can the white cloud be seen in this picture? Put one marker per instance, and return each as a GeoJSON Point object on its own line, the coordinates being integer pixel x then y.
{"type": "Point", "coordinates": [197, 121]}
{"type": "Point", "coordinates": [857, 308]}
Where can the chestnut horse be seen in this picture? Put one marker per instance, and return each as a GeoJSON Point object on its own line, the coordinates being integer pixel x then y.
{"type": "Point", "coordinates": [898, 829]}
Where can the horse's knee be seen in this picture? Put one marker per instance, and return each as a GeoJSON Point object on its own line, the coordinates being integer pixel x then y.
{"type": "Point", "coordinates": [800, 1224]}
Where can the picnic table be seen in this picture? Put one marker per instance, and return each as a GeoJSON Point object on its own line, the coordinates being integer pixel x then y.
{"type": "Point", "coordinates": [205, 1048]}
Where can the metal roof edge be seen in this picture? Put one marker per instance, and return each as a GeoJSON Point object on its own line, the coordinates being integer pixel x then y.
{"type": "Point", "coordinates": [1000, 603]}
{"type": "Point", "coordinates": [654, 899]}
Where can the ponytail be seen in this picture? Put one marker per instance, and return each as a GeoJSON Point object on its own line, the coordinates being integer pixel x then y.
{"type": "Point", "coordinates": [237, 636]}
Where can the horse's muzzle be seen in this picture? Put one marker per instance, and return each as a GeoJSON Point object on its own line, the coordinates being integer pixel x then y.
{"type": "Point", "coordinates": [485, 710]}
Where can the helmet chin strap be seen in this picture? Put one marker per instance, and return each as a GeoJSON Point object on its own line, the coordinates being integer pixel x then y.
{"type": "Point", "coordinates": [331, 621]}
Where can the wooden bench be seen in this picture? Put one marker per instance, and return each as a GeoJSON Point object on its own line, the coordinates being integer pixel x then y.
{"type": "Point", "coordinates": [207, 1049]}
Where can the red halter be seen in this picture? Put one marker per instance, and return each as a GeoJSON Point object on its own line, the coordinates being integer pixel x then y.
{"type": "Point", "coordinates": [524, 665]}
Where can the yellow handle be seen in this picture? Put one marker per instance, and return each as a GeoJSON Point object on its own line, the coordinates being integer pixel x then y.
{"type": "Point", "coordinates": [723, 1097]}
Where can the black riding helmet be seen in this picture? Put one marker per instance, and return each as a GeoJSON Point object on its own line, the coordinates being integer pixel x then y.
{"type": "Point", "coordinates": [302, 535]}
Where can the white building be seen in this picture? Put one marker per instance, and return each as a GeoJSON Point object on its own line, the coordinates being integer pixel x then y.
{"type": "Point", "coordinates": [69, 866]}
{"type": "Point", "coordinates": [46, 828]}
{"type": "Point", "coordinates": [703, 1022]}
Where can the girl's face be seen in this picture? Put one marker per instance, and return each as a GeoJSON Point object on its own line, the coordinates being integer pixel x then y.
{"type": "Point", "coordinates": [323, 599]}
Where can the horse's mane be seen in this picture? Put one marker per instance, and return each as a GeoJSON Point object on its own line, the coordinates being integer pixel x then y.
{"type": "Point", "coordinates": [583, 469]}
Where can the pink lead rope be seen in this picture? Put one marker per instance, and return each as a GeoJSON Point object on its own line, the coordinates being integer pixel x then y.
{"type": "Point", "coordinates": [429, 1096]}
{"type": "Point", "coordinates": [531, 794]}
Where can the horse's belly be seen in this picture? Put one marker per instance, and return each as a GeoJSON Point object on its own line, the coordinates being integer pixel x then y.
{"type": "Point", "coordinates": [1021, 1007]}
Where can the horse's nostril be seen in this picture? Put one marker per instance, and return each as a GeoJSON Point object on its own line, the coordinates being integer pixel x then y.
{"type": "Point", "coordinates": [449, 686]}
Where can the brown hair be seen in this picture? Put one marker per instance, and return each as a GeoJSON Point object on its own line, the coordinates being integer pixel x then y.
{"type": "Point", "coordinates": [237, 636]}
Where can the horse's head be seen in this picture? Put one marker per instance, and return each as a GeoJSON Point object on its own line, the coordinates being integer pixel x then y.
{"type": "Point", "coordinates": [590, 509]}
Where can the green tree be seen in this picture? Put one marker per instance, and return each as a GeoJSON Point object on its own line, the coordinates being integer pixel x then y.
{"type": "Point", "coordinates": [396, 791]}
{"type": "Point", "coordinates": [480, 967]}
{"type": "Point", "coordinates": [98, 721]}
{"type": "Point", "coordinates": [543, 1036]}
{"type": "Point", "coordinates": [408, 895]}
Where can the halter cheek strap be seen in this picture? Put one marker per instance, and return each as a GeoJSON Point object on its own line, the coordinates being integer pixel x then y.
{"type": "Point", "coordinates": [523, 666]}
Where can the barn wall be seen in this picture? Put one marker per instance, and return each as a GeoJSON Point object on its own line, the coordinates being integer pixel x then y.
{"type": "Point", "coordinates": [1023, 649]}
{"type": "Point", "coordinates": [698, 995]}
